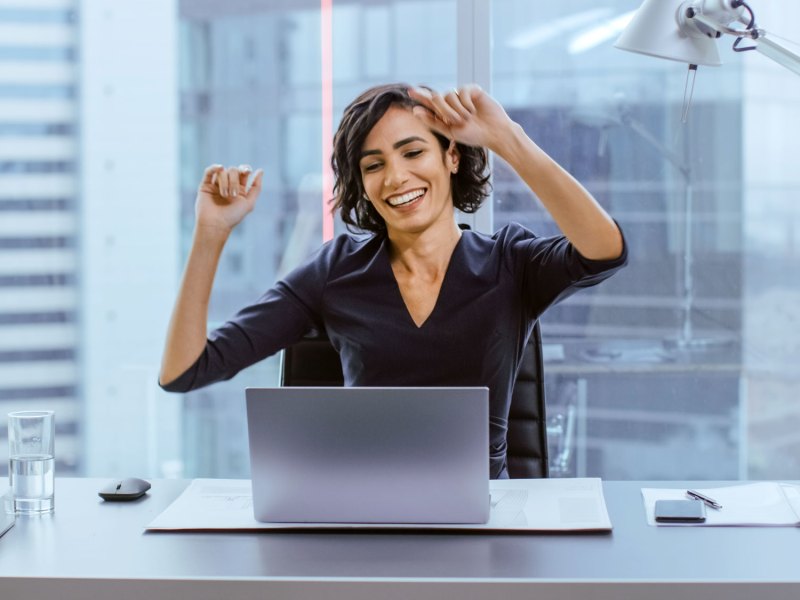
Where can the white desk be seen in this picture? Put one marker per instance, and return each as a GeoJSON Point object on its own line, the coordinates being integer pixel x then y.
{"type": "Point", "coordinates": [91, 549]}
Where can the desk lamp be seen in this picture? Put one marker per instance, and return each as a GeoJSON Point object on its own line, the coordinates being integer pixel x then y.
{"type": "Point", "coordinates": [687, 30]}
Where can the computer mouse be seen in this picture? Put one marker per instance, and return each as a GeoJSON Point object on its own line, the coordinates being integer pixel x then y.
{"type": "Point", "coordinates": [121, 490]}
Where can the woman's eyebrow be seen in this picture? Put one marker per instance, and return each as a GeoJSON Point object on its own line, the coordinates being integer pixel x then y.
{"type": "Point", "coordinates": [396, 145]}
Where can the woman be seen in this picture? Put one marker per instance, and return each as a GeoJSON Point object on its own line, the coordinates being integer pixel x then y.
{"type": "Point", "coordinates": [418, 302]}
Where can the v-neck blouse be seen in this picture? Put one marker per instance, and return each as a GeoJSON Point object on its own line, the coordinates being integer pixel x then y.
{"type": "Point", "coordinates": [494, 289]}
{"type": "Point", "coordinates": [400, 292]}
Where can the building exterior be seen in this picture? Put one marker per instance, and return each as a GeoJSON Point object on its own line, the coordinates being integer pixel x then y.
{"type": "Point", "coordinates": [39, 218]}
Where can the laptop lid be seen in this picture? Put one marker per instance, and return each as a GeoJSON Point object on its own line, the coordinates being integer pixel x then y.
{"type": "Point", "coordinates": [369, 455]}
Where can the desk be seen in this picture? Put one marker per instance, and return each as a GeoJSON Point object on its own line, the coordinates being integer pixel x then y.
{"type": "Point", "coordinates": [91, 549]}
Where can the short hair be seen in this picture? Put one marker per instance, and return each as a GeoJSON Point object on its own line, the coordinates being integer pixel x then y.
{"type": "Point", "coordinates": [470, 185]}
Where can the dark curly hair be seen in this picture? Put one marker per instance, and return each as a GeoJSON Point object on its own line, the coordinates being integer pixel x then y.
{"type": "Point", "coordinates": [470, 186]}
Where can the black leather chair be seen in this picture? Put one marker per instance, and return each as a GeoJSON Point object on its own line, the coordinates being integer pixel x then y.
{"type": "Point", "coordinates": [314, 362]}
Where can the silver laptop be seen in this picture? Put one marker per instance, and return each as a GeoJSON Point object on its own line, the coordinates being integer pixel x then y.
{"type": "Point", "coordinates": [369, 455]}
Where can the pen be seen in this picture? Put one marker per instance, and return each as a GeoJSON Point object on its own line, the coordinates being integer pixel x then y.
{"type": "Point", "coordinates": [708, 501]}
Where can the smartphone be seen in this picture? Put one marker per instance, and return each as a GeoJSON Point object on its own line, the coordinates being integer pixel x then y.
{"type": "Point", "coordinates": [680, 511]}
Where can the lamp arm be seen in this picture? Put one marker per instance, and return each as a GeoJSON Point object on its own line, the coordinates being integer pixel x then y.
{"type": "Point", "coordinates": [713, 28]}
{"type": "Point", "coordinates": [764, 44]}
{"type": "Point", "coordinates": [777, 52]}
{"type": "Point", "coordinates": [672, 157]}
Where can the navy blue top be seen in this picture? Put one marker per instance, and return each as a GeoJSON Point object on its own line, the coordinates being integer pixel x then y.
{"type": "Point", "coordinates": [494, 289]}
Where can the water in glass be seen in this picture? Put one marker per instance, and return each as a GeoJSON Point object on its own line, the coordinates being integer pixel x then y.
{"type": "Point", "coordinates": [32, 481]}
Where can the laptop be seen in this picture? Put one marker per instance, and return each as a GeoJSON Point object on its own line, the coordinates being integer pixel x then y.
{"type": "Point", "coordinates": [369, 455]}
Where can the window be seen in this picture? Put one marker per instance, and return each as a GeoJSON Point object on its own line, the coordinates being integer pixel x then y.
{"type": "Point", "coordinates": [252, 92]}
{"type": "Point", "coordinates": [681, 366]}
{"type": "Point", "coordinates": [39, 266]}
{"type": "Point", "coordinates": [674, 368]}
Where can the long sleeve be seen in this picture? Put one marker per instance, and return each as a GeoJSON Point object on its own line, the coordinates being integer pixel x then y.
{"type": "Point", "coordinates": [550, 269]}
{"type": "Point", "coordinates": [255, 333]}
{"type": "Point", "coordinates": [279, 318]}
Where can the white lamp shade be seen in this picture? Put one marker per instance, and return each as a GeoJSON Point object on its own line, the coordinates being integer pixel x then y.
{"type": "Point", "coordinates": [654, 30]}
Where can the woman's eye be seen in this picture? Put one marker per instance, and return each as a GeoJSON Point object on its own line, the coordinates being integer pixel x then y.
{"type": "Point", "coordinates": [372, 167]}
{"type": "Point", "coordinates": [413, 153]}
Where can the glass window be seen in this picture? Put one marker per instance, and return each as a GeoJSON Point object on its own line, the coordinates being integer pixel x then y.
{"type": "Point", "coordinates": [661, 369]}
{"type": "Point", "coordinates": [39, 259]}
{"type": "Point", "coordinates": [681, 366]}
{"type": "Point", "coordinates": [252, 92]}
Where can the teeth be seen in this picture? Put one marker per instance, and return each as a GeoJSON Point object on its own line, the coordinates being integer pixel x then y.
{"type": "Point", "coordinates": [405, 198]}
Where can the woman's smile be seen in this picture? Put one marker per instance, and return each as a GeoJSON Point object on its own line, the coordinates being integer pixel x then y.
{"type": "Point", "coordinates": [406, 199]}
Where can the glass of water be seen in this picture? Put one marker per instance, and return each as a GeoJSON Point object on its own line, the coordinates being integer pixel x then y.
{"type": "Point", "coordinates": [31, 464]}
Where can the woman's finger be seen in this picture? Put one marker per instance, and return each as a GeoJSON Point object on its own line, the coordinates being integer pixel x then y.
{"type": "Point", "coordinates": [453, 99]}
{"type": "Point", "coordinates": [222, 183]}
{"type": "Point", "coordinates": [421, 95]}
{"type": "Point", "coordinates": [233, 181]}
{"type": "Point", "coordinates": [467, 94]}
{"type": "Point", "coordinates": [434, 102]}
{"type": "Point", "coordinates": [255, 186]}
{"type": "Point", "coordinates": [428, 117]}
{"type": "Point", "coordinates": [210, 174]}
{"type": "Point", "coordinates": [443, 110]}
{"type": "Point", "coordinates": [244, 175]}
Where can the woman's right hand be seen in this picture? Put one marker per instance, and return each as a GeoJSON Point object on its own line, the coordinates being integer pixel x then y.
{"type": "Point", "coordinates": [224, 198]}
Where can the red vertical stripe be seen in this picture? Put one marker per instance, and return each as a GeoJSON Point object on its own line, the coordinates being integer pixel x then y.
{"type": "Point", "coordinates": [326, 48]}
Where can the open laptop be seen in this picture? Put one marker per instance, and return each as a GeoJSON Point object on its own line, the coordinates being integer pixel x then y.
{"type": "Point", "coordinates": [369, 455]}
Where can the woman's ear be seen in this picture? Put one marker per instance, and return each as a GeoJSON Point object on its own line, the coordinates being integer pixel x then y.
{"type": "Point", "coordinates": [452, 157]}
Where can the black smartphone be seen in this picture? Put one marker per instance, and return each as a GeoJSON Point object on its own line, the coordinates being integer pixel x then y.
{"type": "Point", "coordinates": [680, 511]}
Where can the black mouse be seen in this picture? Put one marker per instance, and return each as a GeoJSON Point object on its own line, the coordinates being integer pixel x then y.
{"type": "Point", "coordinates": [124, 489]}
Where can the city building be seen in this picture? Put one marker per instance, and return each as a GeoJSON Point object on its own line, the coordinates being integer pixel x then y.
{"type": "Point", "coordinates": [40, 341]}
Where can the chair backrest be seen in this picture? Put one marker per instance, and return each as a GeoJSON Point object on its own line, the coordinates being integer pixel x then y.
{"type": "Point", "coordinates": [527, 419]}
{"type": "Point", "coordinates": [314, 362]}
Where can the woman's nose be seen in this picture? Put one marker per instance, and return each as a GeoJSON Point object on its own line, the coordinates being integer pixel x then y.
{"type": "Point", "coordinates": [393, 176]}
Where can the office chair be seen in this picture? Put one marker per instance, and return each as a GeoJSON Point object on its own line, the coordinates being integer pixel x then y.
{"type": "Point", "coordinates": [314, 362]}
{"type": "Point", "coordinates": [527, 453]}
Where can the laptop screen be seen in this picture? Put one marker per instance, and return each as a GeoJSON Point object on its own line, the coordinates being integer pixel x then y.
{"type": "Point", "coordinates": [369, 455]}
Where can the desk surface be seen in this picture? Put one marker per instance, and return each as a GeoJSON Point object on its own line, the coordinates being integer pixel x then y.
{"type": "Point", "coordinates": [93, 549]}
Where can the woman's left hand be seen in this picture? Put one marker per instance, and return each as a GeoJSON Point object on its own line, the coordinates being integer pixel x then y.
{"type": "Point", "coordinates": [467, 114]}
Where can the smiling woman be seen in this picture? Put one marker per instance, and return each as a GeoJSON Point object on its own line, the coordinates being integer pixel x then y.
{"type": "Point", "coordinates": [468, 177]}
{"type": "Point", "coordinates": [457, 306]}
{"type": "Point", "coordinates": [407, 180]}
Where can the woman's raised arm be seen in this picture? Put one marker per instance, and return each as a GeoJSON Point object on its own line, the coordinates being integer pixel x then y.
{"type": "Point", "coordinates": [471, 116]}
{"type": "Point", "coordinates": [223, 200]}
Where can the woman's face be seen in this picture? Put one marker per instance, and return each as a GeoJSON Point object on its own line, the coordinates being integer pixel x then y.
{"type": "Point", "coordinates": [406, 174]}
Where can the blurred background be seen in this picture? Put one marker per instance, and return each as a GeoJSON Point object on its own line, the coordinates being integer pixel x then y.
{"type": "Point", "coordinates": [683, 366]}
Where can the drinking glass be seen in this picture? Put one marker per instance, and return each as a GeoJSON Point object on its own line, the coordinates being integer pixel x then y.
{"type": "Point", "coordinates": [31, 463]}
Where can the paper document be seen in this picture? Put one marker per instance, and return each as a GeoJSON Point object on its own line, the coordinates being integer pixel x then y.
{"type": "Point", "coordinates": [516, 505]}
{"type": "Point", "coordinates": [765, 503]}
